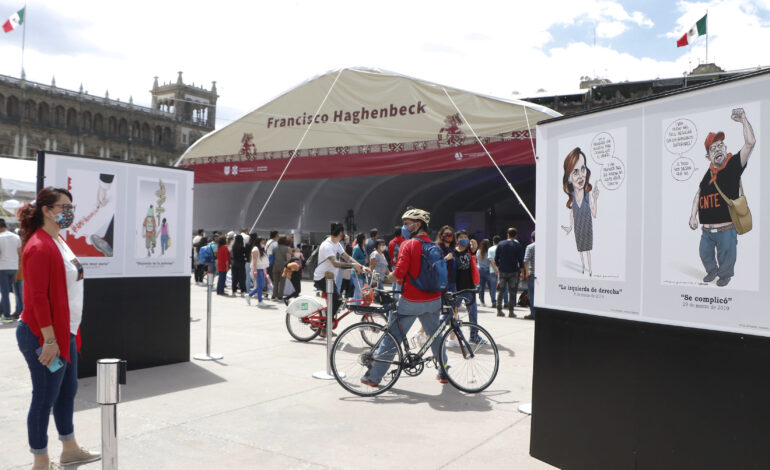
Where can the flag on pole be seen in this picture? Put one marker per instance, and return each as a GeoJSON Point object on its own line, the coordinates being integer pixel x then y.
{"type": "Point", "coordinates": [16, 20]}
{"type": "Point", "coordinates": [698, 30]}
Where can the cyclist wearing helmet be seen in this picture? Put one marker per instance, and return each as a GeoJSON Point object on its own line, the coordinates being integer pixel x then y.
{"type": "Point", "coordinates": [414, 303]}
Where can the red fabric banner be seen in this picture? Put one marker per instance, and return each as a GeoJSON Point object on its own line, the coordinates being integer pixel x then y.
{"type": "Point", "coordinates": [343, 165]}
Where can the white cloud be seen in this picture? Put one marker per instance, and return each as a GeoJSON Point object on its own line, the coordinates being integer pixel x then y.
{"type": "Point", "coordinates": [257, 50]}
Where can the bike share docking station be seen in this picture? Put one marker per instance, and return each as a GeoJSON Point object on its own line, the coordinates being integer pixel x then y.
{"type": "Point", "coordinates": [208, 355]}
{"type": "Point", "coordinates": [330, 289]}
{"type": "Point", "coordinates": [110, 375]}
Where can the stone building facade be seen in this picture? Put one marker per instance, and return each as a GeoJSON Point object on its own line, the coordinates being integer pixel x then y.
{"type": "Point", "coordinates": [36, 117]}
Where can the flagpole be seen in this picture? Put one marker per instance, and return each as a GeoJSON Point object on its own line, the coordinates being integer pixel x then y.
{"type": "Point", "coordinates": [23, 39]}
{"type": "Point", "coordinates": [707, 35]}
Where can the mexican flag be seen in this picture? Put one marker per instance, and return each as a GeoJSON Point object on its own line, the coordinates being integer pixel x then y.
{"type": "Point", "coordinates": [16, 20]}
{"type": "Point", "coordinates": [698, 30]}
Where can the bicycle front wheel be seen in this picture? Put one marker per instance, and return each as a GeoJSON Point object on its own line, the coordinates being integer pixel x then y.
{"type": "Point", "coordinates": [363, 369]}
{"type": "Point", "coordinates": [301, 329]}
{"type": "Point", "coordinates": [370, 336]}
{"type": "Point", "coordinates": [470, 358]}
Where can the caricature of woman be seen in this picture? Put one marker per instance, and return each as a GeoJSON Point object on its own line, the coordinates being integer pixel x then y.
{"type": "Point", "coordinates": [576, 185]}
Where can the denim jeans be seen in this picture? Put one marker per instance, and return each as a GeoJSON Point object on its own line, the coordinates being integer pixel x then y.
{"type": "Point", "coordinates": [401, 320]}
{"type": "Point", "coordinates": [221, 282]}
{"type": "Point", "coordinates": [49, 390]}
{"type": "Point", "coordinates": [6, 284]}
{"type": "Point", "coordinates": [18, 287]}
{"type": "Point", "coordinates": [260, 285]}
{"type": "Point", "coordinates": [719, 247]}
{"type": "Point", "coordinates": [473, 310]}
{"type": "Point", "coordinates": [493, 281]}
{"type": "Point", "coordinates": [163, 243]}
{"type": "Point", "coordinates": [511, 282]}
{"type": "Point", "coordinates": [487, 279]}
{"type": "Point", "coordinates": [531, 290]}
{"type": "Point", "coordinates": [247, 272]}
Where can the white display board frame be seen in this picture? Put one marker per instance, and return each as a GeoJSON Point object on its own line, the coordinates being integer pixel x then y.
{"type": "Point", "coordinates": [118, 201]}
{"type": "Point", "coordinates": [646, 262]}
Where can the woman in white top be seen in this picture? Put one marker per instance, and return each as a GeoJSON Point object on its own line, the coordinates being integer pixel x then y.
{"type": "Point", "coordinates": [259, 264]}
{"type": "Point", "coordinates": [48, 333]}
{"type": "Point", "coordinates": [378, 263]}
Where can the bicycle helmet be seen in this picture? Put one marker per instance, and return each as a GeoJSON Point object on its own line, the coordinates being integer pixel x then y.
{"type": "Point", "coordinates": [417, 214]}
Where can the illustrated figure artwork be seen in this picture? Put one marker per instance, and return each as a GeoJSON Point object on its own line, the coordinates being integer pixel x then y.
{"type": "Point", "coordinates": [103, 240]}
{"type": "Point", "coordinates": [582, 200]}
{"type": "Point", "coordinates": [719, 238]}
{"type": "Point", "coordinates": [149, 231]}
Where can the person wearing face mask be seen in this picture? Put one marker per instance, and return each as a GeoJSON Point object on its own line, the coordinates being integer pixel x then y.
{"type": "Point", "coordinates": [332, 258]}
{"type": "Point", "coordinates": [446, 241]}
{"type": "Point", "coordinates": [466, 277]}
{"type": "Point", "coordinates": [50, 322]}
{"type": "Point", "coordinates": [259, 264]}
{"type": "Point", "coordinates": [378, 263]}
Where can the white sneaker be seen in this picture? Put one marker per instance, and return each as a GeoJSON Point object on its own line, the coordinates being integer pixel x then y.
{"type": "Point", "coordinates": [248, 300]}
{"type": "Point", "coordinates": [453, 343]}
{"type": "Point", "coordinates": [262, 305]}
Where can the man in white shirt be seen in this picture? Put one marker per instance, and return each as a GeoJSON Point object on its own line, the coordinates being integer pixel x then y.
{"type": "Point", "coordinates": [332, 257]}
{"type": "Point", "coordinates": [10, 251]}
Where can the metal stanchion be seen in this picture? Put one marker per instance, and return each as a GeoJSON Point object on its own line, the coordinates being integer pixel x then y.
{"type": "Point", "coordinates": [110, 375]}
{"type": "Point", "coordinates": [208, 356]}
{"type": "Point", "coordinates": [330, 289]}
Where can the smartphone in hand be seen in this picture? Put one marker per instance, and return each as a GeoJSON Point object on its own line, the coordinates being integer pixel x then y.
{"type": "Point", "coordinates": [55, 365]}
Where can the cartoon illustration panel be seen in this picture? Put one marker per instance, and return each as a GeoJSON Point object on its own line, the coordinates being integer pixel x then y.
{"type": "Point", "coordinates": [591, 190]}
{"type": "Point", "coordinates": [156, 222]}
{"type": "Point", "coordinates": [710, 162]}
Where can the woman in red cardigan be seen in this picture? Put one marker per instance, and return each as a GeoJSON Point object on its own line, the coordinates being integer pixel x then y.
{"type": "Point", "coordinates": [50, 322]}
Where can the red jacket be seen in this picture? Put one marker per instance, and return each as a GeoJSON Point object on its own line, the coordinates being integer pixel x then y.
{"type": "Point", "coordinates": [45, 291]}
{"type": "Point", "coordinates": [397, 241]}
{"type": "Point", "coordinates": [223, 258]}
{"type": "Point", "coordinates": [409, 260]}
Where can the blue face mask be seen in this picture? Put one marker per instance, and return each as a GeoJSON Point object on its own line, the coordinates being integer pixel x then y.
{"type": "Point", "coordinates": [464, 242]}
{"type": "Point", "coordinates": [405, 232]}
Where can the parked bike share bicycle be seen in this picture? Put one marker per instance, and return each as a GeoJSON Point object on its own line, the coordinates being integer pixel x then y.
{"type": "Point", "coordinates": [306, 316]}
{"type": "Point", "coordinates": [470, 366]}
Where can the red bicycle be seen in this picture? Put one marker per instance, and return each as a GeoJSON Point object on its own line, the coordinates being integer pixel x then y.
{"type": "Point", "coordinates": [306, 327]}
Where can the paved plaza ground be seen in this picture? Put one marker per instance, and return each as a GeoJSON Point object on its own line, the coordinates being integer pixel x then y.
{"type": "Point", "coordinates": [260, 408]}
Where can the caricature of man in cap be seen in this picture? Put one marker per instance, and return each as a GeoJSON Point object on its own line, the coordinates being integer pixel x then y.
{"type": "Point", "coordinates": [719, 239]}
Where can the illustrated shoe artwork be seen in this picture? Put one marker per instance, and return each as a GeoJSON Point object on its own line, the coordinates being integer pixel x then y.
{"type": "Point", "coordinates": [81, 455]}
{"type": "Point", "coordinates": [710, 277]}
{"type": "Point", "coordinates": [723, 281]}
{"type": "Point", "coordinates": [101, 244]}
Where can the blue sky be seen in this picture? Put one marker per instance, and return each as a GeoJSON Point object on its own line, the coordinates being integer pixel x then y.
{"type": "Point", "coordinates": [258, 49]}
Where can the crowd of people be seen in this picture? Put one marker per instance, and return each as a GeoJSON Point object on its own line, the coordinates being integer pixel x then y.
{"type": "Point", "coordinates": [271, 268]}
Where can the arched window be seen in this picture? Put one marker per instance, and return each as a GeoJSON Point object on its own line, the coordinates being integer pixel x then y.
{"type": "Point", "coordinates": [2, 104]}
{"type": "Point", "coordinates": [30, 111]}
{"type": "Point", "coordinates": [167, 137]}
{"type": "Point", "coordinates": [43, 114]}
{"type": "Point", "coordinates": [59, 117]}
{"type": "Point", "coordinates": [12, 107]}
{"type": "Point", "coordinates": [87, 121]}
{"type": "Point", "coordinates": [136, 130]}
{"type": "Point", "coordinates": [146, 133]}
{"type": "Point", "coordinates": [98, 123]}
{"type": "Point", "coordinates": [112, 126]}
{"type": "Point", "coordinates": [158, 137]}
{"type": "Point", "coordinates": [123, 128]}
{"type": "Point", "coordinates": [72, 119]}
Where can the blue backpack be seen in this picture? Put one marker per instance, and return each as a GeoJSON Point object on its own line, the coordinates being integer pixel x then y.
{"type": "Point", "coordinates": [433, 272]}
{"type": "Point", "coordinates": [206, 254]}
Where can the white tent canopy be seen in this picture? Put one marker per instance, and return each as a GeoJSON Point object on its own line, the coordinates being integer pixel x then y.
{"type": "Point", "coordinates": [364, 140]}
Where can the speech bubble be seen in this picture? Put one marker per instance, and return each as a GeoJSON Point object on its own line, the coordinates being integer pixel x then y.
{"type": "Point", "coordinates": [613, 174]}
{"type": "Point", "coordinates": [602, 147]}
{"type": "Point", "coordinates": [682, 168]}
{"type": "Point", "coordinates": [680, 136]}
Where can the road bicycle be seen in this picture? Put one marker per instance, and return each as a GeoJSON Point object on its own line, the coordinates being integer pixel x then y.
{"type": "Point", "coordinates": [469, 359]}
{"type": "Point", "coordinates": [312, 325]}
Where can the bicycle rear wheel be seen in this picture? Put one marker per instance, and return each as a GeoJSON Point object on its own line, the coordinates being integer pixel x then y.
{"type": "Point", "coordinates": [371, 335]}
{"type": "Point", "coordinates": [352, 359]}
{"type": "Point", "coordinates": [301, 328]}
{"type": "Point", "coordinates": [470, 373]}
